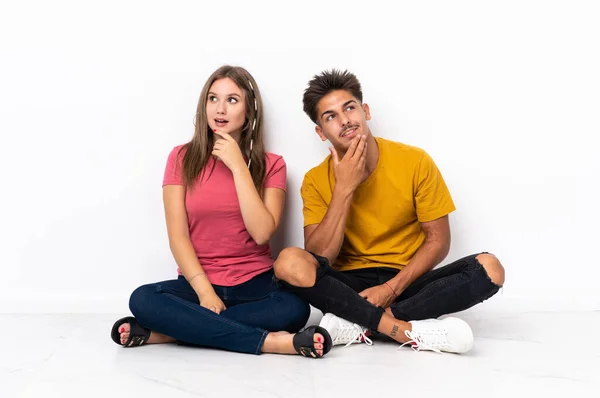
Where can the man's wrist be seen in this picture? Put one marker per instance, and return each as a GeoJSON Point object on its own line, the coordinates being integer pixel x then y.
{"type": "Point", "coordinates": [398, 283]}
{"type": "Point", "coordinates": [343, 192]}
{"type": "Point", "coordinates": [391, 289]}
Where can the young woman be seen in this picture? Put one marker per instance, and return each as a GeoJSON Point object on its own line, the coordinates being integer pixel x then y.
{"type": "Point", "coordinates": [223, 197]}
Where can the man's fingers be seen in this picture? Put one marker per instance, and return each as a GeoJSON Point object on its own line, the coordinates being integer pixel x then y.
{"type": "Point", "coordinates": [334, 156]}
{"type": "Point", "coordinates": [353, 146]}
{"type": "Point", "coordinates": [364, 153]}
{"type": "Point", "coordinates": [362, 161]}
{"type": "Point", "coordinates": [360, 147]}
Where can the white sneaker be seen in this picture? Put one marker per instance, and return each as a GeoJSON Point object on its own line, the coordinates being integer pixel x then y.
{"type": "Point", "coordinates": [343, 331]}
{"type": "Point", "coordinates": [449, 335]}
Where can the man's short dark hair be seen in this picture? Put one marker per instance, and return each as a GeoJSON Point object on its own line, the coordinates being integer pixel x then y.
{"type": "Point", "coordinates": [326, 82]}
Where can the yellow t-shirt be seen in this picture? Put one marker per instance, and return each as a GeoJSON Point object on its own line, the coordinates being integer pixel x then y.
{"type": "Point", "coordinates": [383, 227]}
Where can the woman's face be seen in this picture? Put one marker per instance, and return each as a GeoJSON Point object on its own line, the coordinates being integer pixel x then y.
{"type": "Point", "coordinates": [226, 107]}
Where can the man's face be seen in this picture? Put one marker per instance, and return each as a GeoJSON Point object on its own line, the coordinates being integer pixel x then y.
{"type": "Point", "coordinates": [341, 117]}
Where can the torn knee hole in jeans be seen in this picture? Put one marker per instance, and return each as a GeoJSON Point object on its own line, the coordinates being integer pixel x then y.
{"type": "Point", "coordinates": [485, 271]}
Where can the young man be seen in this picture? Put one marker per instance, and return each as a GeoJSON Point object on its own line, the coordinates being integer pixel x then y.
{"type": "Point", "coordinates": [375, 226]}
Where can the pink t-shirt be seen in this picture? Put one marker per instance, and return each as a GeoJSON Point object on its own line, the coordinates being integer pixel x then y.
{"type": "Point", "coordinates": [226, 251]}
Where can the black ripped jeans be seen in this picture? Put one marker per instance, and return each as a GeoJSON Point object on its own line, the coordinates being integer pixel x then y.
{"type": "Point", "coordinates": [452, 288]}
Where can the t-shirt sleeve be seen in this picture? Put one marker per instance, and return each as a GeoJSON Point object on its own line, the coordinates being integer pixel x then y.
{"type": "Point", "coordinates": [276, 176]}
{"type": "Point", "coordinates": [432, 197]}
{"type": "Point", "coordinates": [314, 206]}
{"type": "Point", "coordinates": [173, 169]}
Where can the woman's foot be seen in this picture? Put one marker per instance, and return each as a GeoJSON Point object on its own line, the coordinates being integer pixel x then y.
{"type": "Point", "coordinates": [283, 343]}
{"type": "Point", "coordinates": [155, 338]}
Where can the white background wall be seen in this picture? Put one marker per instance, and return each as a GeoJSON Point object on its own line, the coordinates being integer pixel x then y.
{"type": "Point", "coordinates": [93, 96]}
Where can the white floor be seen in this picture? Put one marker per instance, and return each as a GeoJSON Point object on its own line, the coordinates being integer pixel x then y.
{"type": "Point", "coordinates": [518, 352]}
